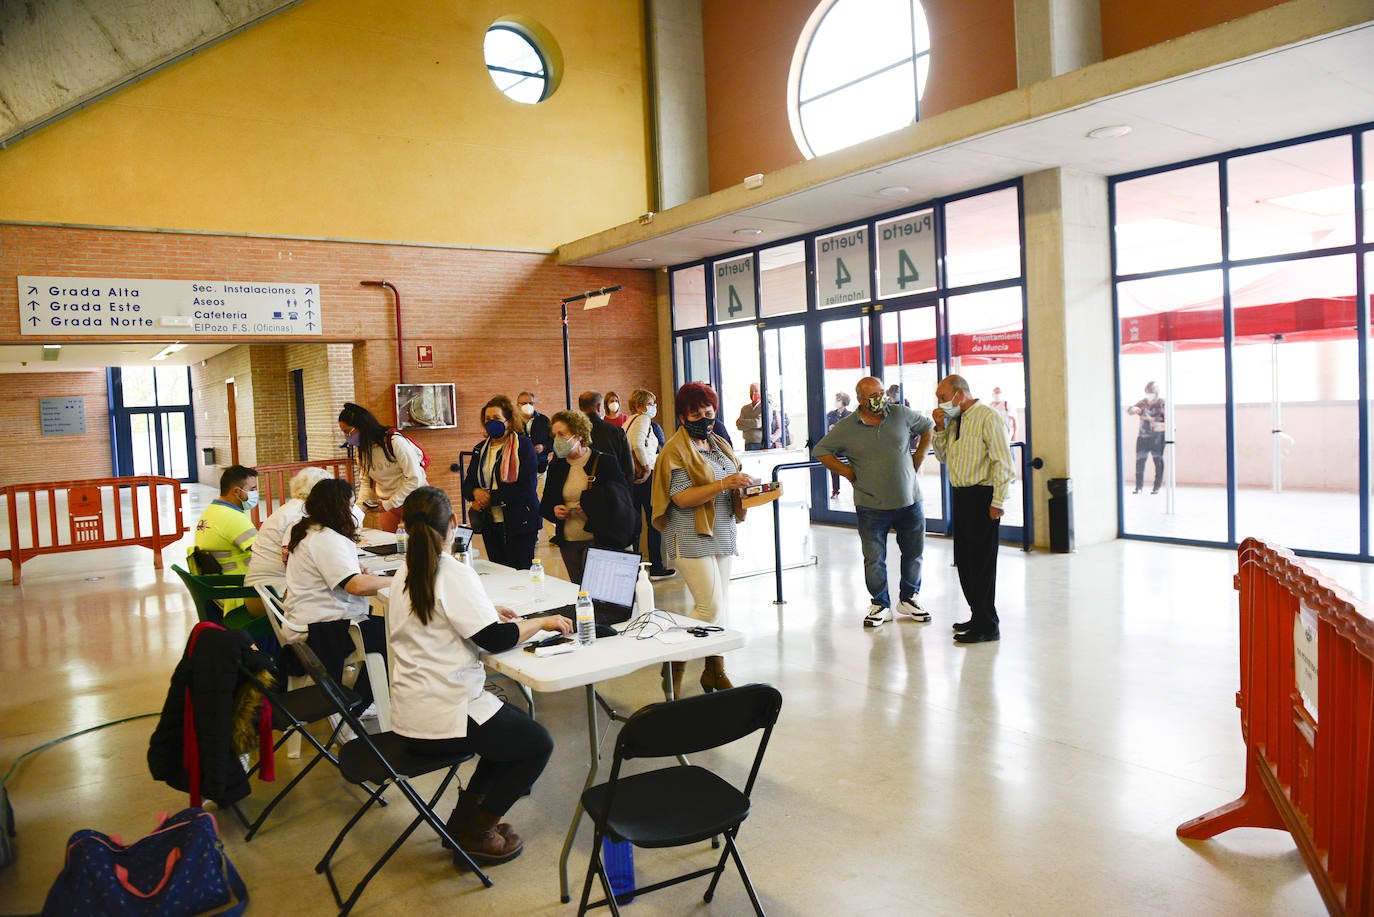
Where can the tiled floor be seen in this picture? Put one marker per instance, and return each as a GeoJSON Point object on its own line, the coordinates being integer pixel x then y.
{"type": "Point", "coordinates": [1044, 774]}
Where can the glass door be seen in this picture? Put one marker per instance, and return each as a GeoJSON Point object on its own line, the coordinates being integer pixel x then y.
{"type": "Point", "coordinates": [910, 362]}
{"type": "Point", "coordinates": [150, 417]}
{"type": "Point", "coordinates": [986, 347]}
{"type": "Point", "coordinates": [846, 357]}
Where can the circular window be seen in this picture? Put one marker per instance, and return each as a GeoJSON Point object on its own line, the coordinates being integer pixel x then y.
{"type": "Point", "coordinates": [861, 74]}
{"type": "Point", "coordinates": [521, 61]}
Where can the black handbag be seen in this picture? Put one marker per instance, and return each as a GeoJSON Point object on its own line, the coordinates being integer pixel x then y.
{"type": "Point", "coordinates": [477, 520]}
{"type": "Point", "coordinates": [609, 511]}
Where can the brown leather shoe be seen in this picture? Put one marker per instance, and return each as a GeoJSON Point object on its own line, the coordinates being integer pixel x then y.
{"type": "Point", "coordinates": [485, 844]}
{"type": "Point", "coordinates": [713, 676]}
{"type": "Point", "coordinates": [463, 815]}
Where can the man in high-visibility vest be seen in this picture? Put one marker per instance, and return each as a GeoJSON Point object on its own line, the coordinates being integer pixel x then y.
{"type": "Point", "coordinates": [225, 531]}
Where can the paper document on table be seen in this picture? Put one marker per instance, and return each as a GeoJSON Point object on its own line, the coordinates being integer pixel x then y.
{"type": "Point", "coordinates": [673, 636]}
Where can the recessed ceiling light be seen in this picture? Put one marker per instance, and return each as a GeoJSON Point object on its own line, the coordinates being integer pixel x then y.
{"type": "Point", "coordinates": [167, 351]}
{"type": "Point", "coordinates": [894, 191]}
{"type": "Point", "coordinates": [1109, 131]}
{"type": "Point", "coordinates": [748, 231]}
{"type": "Point", "coordinates": [642, 260]}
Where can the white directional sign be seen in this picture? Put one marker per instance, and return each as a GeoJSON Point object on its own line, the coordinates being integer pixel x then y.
{"type": "Point", "coordinates": [842, 269]}
{"type": "Point", "coordinates": [906, 254]}
{"type": "Point", "coordinates": [166, 308]}
{"type": "Point", "coordinates": [735, 299]}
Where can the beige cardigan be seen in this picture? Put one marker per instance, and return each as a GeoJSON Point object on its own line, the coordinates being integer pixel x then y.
{"type": "Point", "coordinates": [680, 452]}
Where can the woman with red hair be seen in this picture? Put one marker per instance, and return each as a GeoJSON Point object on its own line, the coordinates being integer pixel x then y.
{"type": "Point", "coordinates": [695, 497]}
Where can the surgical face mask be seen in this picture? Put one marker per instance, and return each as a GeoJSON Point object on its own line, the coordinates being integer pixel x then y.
{"type": "Point", "coordinates": [562, 446]}
{"type": "Point", "coordinates": [878, 403]}
{"type": "Point", "coordinates": [951, 409]}
{"type": "Point", "coordinates": [496, 428]}
{"type": "Point", "coordinates": [250, 500]}
{"type": "Point", "coordinates": [699, 429]}
{"type": "Point", "coordinates": [353, 437]}
{"type": "Point", "coordinates": [613, 407]}
{"type": "Point", "coordinates": [527, 410]}
{"type": "Point", "coordinates": [651, 411]}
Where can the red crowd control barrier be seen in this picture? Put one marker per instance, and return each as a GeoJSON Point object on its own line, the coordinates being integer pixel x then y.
{"type": "Point", "coordinates": [61, 516]}
{"type": "Point", "coordinates": [274, 482]}
{"type": "Point", "coordinates": [1306, 704]}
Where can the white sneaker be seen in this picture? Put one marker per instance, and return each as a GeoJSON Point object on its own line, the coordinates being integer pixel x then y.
{"type": "Point", "coordinates": [877, 616]}
{"type": "Point", "coordinates": [912, 607]}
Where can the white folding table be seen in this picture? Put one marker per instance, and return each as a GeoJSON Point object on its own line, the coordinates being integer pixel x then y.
{"type": "Point", "coordinates": [609, 657]}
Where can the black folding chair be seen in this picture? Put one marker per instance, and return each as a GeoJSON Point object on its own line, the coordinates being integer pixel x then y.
{"type": "Point", "coordinates": [382, 759]}
{"type": "Point", "coordinates": [293, 712]}
{"type": "Point", "coordinates": [684, 803]}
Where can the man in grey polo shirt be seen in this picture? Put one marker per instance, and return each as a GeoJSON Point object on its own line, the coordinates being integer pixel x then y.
{"type": "Point", "coordinates": [876, 442]}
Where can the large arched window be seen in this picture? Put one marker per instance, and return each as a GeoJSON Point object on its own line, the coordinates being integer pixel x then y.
{"type": "Point", "coordinates": [859, 73]}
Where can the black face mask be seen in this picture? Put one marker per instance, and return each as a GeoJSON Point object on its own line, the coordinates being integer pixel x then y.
{"type": "Point", "coordinates": [699, 429]}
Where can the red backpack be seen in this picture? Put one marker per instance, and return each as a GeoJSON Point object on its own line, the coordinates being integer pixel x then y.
{"type": "Point", "coordinates": [424, 459]}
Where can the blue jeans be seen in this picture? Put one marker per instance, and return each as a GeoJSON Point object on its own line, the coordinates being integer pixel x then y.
{"type": "Point", "coordinates": [910, 525]}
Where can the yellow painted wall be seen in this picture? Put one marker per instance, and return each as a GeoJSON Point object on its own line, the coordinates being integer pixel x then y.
{"type": "Point", "coordinates": [360, 119]}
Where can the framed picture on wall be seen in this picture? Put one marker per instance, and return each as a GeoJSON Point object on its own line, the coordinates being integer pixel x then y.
{"type": "Point", "coordinates": [427, 405]}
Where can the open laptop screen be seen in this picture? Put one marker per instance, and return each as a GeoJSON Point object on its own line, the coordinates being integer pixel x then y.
{"type": "Point", "coordinates": [609, 576]}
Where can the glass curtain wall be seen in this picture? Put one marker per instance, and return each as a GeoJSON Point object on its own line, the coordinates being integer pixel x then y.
{"type": "Point", "coordinates": [1242, 340]}
{"type": "Point", "coordinates": [806, 319]}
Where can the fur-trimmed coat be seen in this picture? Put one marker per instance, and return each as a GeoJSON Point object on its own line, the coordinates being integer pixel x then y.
{"type": "Point", "coordinates": [225, 710]}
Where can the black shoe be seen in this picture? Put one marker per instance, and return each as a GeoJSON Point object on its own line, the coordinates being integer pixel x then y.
{"type": "Point", "coordinates": [661, 574]}
{"type": "Point", "coordinates": [1155, 491]}
{"type": "Point", "coordinates": [1136, 491]}
{"type": "Point", "coordinates": [961, 626]}
{"type": "Point", "coordinates": [973, 636]}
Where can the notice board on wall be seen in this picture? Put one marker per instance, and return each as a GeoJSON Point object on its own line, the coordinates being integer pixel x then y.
{"type": "Point", "coordinates": [63, 416]}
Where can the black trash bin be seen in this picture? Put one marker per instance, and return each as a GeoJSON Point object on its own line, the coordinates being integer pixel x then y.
{"type": "Point", "coordinates": [1061, 515]}
{"type": "Point", "coordinates": [208, 455]}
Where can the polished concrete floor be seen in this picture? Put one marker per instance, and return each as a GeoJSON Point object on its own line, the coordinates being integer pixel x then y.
{"type": "Point", "coordinates": [1042, 775]}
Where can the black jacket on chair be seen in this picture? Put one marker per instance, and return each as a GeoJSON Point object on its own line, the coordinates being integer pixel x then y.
{"type": "Point", "coordinates": [518, 499]}
{"type": "Point", "coordinates": [208, 677]}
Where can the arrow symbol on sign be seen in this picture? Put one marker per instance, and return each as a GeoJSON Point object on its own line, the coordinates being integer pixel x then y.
{"type": "Point", "coordinates": [34, 319]}
{"type": "Point", "coordinates": [309, 325]}
{"type": "Point", "coordinates": [33, 304]}
{"type": "Point", "coordinates": [32, 289]}
{"type": "Point", "coordinates": [310, 302]}
{"type": "Point", "coordinates": [309, 314]}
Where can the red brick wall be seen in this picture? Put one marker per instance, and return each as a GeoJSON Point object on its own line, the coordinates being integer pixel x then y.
{"type": "Point", "coordinates": [28, 456]}
{"type": "Point", "coordinates": [491, 317]}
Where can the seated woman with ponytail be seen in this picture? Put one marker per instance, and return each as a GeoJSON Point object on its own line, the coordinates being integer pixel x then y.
{"type": "Point", "coordinates": [439, 621]}
{"type": "Point", "coordinates": [326, 589]}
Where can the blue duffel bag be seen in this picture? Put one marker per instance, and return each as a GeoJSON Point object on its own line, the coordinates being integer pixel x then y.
{"type": "Point", "coordinates": [177, 871]}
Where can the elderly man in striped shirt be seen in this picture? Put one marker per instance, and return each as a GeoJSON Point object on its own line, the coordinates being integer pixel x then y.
{"type": "Point", "coordinates": [971, 440]}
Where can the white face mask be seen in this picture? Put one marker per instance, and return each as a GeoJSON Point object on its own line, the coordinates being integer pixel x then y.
{"type": "Point", "coordinates": [950, 408]}
{"type": "Point", "coordinates": [527, 410]}
{"type": "Point", "coordinates": [651, 411]}
{"type": "Point", "coordinates": [613, 407]}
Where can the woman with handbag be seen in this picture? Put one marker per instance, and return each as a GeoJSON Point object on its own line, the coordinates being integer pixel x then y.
{"type": "Point", "coordinates": [501, 487]}
{"type": "Point", "coordinates": [439, 624]}
{"type": "Point", "coordinates": [696, 502]}
{"type": "Point", "coordinates": [390, 466]}
{"type": "Point", "coordinates": [576, 467]}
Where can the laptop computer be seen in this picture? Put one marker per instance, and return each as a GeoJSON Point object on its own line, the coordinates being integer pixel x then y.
{"type": "Point", "coordinates": [609, 580]}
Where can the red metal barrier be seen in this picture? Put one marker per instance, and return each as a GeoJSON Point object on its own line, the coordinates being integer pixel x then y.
{"type": "Point", "coordinates": [274, 482]}
{"type": "Point", "coordinates": [1308, 722]}
{"type": "Point", "coordinates": [83, 515]}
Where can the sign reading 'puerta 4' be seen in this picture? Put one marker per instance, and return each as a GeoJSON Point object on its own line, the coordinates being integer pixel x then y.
{"type": "Point", "coordinates": [120, 307]}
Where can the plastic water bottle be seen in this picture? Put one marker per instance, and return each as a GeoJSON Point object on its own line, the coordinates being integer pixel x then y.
{"type": "Point", "coordinates": [586, 620]}
{"type": "Point", "coordinates": [537, 577]}
{"type": "Point", "coordinates": [402, 539]}
{"type": "Point", "coordinates": [644, 592]}
{"type": "Point", "coordinates": [619, 859]}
